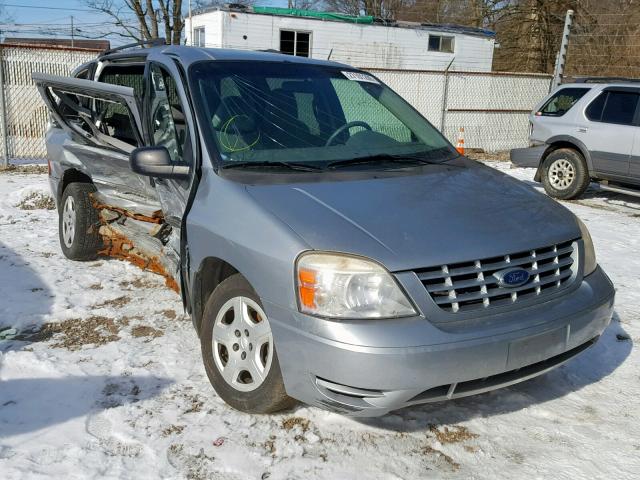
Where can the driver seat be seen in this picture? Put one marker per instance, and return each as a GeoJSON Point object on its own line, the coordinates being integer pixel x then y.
{"type": "Point", "coordinates": [234, 126]}
{"type": "Point", "coordinates": [282, 124]}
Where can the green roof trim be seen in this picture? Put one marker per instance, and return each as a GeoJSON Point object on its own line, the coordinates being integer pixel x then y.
{"type": "Point", "coordinates": [297, 12]}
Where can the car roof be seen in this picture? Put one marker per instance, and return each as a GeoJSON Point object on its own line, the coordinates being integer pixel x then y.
{"type": "Point", "coordinates": [188, 55]}
{"type": "Point", "coordinates": [600, 86]}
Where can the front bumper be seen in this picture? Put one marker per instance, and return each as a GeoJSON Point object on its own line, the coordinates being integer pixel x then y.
{"type": "Point", "coordinates": [334, 369]}
{"type": "Point", "coordinates": [527, 157]}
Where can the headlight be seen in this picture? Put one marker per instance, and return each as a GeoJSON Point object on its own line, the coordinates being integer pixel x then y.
{"type": "Point", "coordinates": [341, 286]}
{"type": "Point", "coordinates": [590, 262]}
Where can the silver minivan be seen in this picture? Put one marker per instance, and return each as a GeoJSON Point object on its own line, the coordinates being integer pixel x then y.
{"type": "Point", "coordinates": [329, 244]}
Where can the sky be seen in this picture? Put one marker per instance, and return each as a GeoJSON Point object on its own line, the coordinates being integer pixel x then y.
{"type": "Point", "coordinates": [34, 18]}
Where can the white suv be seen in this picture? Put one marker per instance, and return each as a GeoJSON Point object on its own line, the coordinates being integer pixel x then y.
{"type": "Point", "coordinates": [583, 132]}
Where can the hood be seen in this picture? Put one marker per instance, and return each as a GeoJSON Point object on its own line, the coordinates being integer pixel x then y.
{"type": "Point", "coordinates": [440, 216]}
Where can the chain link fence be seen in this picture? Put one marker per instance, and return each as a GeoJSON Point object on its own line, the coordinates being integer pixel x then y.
{"type": "Point", "coordinates": [24, 117]}
{"type": "Point", "coordinates": [492, 107]}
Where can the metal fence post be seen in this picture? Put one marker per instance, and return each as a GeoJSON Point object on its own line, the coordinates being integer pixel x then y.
{"type": "Point", "coordinates": [561, 59]}
{"type": "Point", "coordinates": [445, 95]}
{"type": "Point", "coordinates": [3, 115]}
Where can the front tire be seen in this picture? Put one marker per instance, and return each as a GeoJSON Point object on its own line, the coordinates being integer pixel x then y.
{"type": "Point", "coordinates": [78, 223]}
{"type": "Point", "coordinates": [238, 350]}
{"type": "Point", "coordinates": [565, 174]}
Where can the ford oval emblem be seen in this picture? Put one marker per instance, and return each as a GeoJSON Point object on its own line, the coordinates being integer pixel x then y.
{"type": "Point", "coordinates": [512, 277]}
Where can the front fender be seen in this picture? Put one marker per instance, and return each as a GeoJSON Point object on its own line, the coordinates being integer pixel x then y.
{"type": "Point", "coordinates": [227, 223]}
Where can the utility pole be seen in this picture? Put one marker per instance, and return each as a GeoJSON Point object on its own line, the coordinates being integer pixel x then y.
{"type": "Point", "coordinates": [190, 26]}
{"type": "Point", "coordinates": [72, 35]}
{"type": "Point", "coordinates": [561, 59]}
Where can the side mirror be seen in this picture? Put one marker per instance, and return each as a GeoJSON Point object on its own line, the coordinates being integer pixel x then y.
{"type": "Point", "coordinates": [156, 162]}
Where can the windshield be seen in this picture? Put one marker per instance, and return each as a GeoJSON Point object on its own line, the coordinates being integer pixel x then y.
{"type": "Point", "coordinates": [277, 114]}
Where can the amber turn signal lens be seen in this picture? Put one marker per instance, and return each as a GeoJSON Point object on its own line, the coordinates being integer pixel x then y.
{"type": "Point", "coordinates": [307, 287]}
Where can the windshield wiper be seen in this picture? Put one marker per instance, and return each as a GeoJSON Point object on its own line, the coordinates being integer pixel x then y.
{"type": "Point", "coordinates": [275, 164]}
{"type": "Point", "coordinates": [388, 158]}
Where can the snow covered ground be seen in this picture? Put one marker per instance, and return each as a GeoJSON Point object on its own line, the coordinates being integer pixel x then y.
{"type": "Point", "coordinates": [114, 387]}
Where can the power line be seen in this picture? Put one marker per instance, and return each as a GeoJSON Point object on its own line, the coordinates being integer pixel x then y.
{"type": "Point", "coordinates": [59, 23]}
{"type": "Point", "coordinates": [39, 7]}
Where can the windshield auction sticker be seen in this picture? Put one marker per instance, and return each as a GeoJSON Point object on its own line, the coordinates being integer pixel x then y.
{"type": "Point", "coordinates": [360, 77]}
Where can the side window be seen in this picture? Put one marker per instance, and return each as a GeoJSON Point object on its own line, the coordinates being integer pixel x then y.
{"type": "Point", "coordinates": [441, 43]}
{"type": "Point", "coordinates": [620, 108]}
{"type": "Point", "coordinates": [198, 37]}
{"type": "Point", "coordinates": [85, 102]}
{"type": "Point", "coordinates": [595, 108]}
{"type": "Point", "coordinates": [561, 101]}
{"type": "Point", "coordinates": [113, 118]}
{"type": "Point", "coordinates": [614, 107]}
{"type": "Point", "coordinates": [84, 74]}
{"type": "Point", "coordinates": [168, 124]}
{"type": "Point", "coordinates": [295, 43]}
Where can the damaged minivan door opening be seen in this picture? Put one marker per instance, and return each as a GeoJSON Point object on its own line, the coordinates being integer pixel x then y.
{"type": "Point", "coordinates": [330, 245]}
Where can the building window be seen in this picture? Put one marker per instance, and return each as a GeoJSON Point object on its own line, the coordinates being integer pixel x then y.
{"type": "Point", "coordinates": [198, 37]}
{"type": "Point", "coordinates": [295, 43]}
{"type": "Point", "coordinates": [440, 43]}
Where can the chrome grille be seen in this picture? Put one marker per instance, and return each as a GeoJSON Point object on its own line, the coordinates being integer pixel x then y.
{"type": "Point", "coordinates": [472, 285]}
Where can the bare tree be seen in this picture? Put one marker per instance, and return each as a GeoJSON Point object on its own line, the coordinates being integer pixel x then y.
{"type": "Point", "coordinates": [383, 9]}
{"type": "Point", "coordinates": [305, 4]}
{"type": "Point", "coordinates": [605, 39]}
{"type": "Point", "coordinates": [475, 13]}
{"type": "Point", "coordinates": [143, 19]}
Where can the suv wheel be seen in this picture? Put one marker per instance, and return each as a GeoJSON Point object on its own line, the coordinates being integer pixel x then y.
{"type": "Point", "coordinates": [79, 223]}
{"type": "Point", "coordinates": [565, 174]}
{"type": "Point", "coordinates": [238, 349]}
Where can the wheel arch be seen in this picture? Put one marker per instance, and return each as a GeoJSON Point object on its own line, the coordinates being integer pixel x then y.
{"type": "Point", "coordinates": [564, 141]}
{"type": "Point", "coordinates": [71, 175]}
{"type": "Point", "coordinates": [211, 272]}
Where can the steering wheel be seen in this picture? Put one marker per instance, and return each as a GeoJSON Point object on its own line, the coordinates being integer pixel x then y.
{"type": "Point", "coordinates": [347, 126]}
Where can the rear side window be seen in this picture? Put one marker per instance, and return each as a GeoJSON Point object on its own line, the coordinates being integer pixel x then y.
{"type": "Point", "coordinates": [595, 108]}
{"type": "Point", "coordinates": [114, 117]}
{"type": "Point", "coordinates": [561, 101]}
{"type": "Point", "coordinates": [83, 74]}
{"type": "Point", "coordinates": [613, 107]}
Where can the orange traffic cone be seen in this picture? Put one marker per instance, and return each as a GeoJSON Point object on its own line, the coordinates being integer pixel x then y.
{"type": "Point", "coordinates": [460, 144]}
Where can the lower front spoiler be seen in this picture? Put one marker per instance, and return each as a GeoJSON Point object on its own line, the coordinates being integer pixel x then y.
{"type": "Point", "coordinates": [353, 400]}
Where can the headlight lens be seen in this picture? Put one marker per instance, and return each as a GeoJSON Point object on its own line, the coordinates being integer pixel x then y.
{"type": "Point", "coordinates": [341, 286]}
{"type": "Point", "coordinates": [590, 262]}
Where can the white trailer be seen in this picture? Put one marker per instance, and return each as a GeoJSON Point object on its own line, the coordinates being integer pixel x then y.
{"type": "Point", "coordinates": [374, 44]}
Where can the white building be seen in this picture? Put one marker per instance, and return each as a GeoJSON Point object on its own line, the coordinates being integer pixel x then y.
{"type": "Point", "coordinates": [363, 42]}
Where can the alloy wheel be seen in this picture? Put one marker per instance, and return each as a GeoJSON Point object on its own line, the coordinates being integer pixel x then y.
{"type": "Point", "coordinates": [561, 174]}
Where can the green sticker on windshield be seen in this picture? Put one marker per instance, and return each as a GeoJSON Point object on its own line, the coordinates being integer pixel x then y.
{"type": "Point", "coordinates": [360, 77]}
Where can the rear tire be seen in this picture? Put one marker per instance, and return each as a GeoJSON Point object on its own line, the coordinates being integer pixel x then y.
{"type": "Point", "coordinates": [238, 350]}
{"type": "Point", "coordinates": [565, 174]}
{"type": "Point", "coordinates": [78, 223]}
